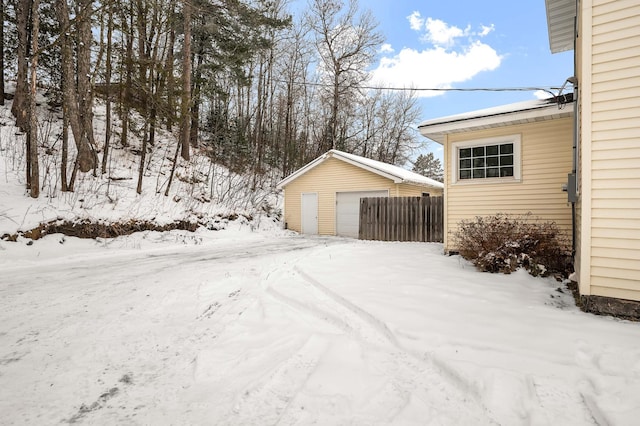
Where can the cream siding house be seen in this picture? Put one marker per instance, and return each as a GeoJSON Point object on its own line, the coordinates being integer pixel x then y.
{"type": "Point", "coordinates": [512, 159]}
{"type": "Point", "coordinates": [605, 131]}
{"type": "Point", "coordinates": [323, 196]}
{"type": "Point", "coordinates": [606, 44]}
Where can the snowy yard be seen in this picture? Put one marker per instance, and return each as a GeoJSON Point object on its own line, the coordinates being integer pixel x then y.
{"type": "Point", "coordinates": [240, 328]}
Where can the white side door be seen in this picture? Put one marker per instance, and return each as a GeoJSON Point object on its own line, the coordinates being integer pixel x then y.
{"type": "Point", "coordinates": [348, 211]}
{"type": "Point", "coordinates": [309, 210]}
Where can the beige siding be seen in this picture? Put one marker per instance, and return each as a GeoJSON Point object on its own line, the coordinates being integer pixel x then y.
{"type": "Point", "coordinates": [406, 190]}
{"type": "Point", "coordinates": [546, 149]}
{"type": "Point", "coordinates": [614, 145]}
{"type": "Point", "coordinates": [333, 176]}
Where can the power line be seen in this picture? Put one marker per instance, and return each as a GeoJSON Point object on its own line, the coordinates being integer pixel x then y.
{"type": "Point", "coordinates": [548, 89]}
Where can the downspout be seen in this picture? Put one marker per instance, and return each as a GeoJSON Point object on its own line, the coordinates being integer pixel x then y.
{"type": "Point", "coordinates": [576, 133]}
{"type": "Point", "coordinates": [574, 170]}
{"type": "Point", "coordinates": [572, 180]}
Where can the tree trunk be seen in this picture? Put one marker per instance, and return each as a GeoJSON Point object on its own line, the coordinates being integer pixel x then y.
{"type": "Point", "coordinates": [155, 73]}
{"type": "Point", "coordinates": [143, 156]}
{"type": "Point", "coordinates": [334, 109]}
{"type": "Point", "coordinates": [84, 73]}
{"type": "Point", "coordinates": [107, 135]}
{"type": "Point", "coordinates": [34, 179]}
{"type": "Point", "coordinates": [195, 122]}
{"type": "Point", "coordinates": [20, 106]}
{"type": "Point", "coordinates": [173, 169]}
{"type": "Point", "coordinates": [258, 128]}
{"type": "Point", "coordinates": [65, 147]}
{"type": "Point", "coordinates": [125, 99]}
{"type": "Point", "coordinates": [86, 154]}
{"type": "Point", "coordinates": [169, 68]}
{"type": "Point", "coordinates": [185, 107]}
{"type": "Point", "coordinates": [2, 18]}
{"type": "Point", "coordinates": [141, 19]}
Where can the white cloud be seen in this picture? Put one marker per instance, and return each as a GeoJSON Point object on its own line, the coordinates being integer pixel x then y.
{"type": "Point", "coordinates": [435, 68]}
{"type": "Point", "coordinates": [442, 34]}
{"type": "Point", "coordinates": [486, 30]}
{"type": "Point", "coordinates": [386, 48]}
{"type": "Point", "coordinates": [455, 55]}
{"type": "Point", "coordinates": [415, 21]}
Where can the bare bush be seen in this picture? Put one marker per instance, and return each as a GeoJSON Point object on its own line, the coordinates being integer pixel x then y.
{"type": "Point", "coordinates": [504, 243]}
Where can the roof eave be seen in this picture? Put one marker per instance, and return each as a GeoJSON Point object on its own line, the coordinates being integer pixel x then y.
{"type": "Point", "coordinates": [438, 130]}
{"type": "Point", "coordinates": [422, 184]}
{"type": "Point", "coordinates": [335, 154]}
{"type": "Point", "coordinates": [561, 16]}
{"type": "Point", "coordinates": [293, 176]}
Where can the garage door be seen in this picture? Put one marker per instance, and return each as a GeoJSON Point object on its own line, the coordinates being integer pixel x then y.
{"type": "Point", "coordinates": [348, 211]}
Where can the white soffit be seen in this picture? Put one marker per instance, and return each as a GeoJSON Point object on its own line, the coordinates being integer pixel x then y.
{"type": "Point", "coordinates": [505, 115]}
{"type": "Point", "coordinates": [560, 24]}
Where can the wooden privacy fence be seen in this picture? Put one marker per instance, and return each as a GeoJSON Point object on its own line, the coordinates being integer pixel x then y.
{"type": "Point", "coordinates": [401, 219]}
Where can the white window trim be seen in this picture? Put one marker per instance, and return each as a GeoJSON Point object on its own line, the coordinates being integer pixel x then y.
{"type": "Point", "coordinates": [517, 159]}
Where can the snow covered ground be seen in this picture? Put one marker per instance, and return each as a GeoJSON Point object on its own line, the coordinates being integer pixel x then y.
{"type": "Point", "coordinates": [241, 327]}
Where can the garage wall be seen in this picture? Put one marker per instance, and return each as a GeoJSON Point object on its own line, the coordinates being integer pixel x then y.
{"type": "Point", "coordinates": [406, 190]}
{"type": "Point", "coordinates": [326, 179]}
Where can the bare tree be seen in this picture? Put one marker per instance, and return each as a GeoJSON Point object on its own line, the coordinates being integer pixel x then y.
{"type": "Point", "coordinates": [168, 77]}
{"type": "Point", "coordinates": [346, 40]}
{"type": "Point", "coordinates": [82, 128]}
{"type": "Point", "coordinates": [83, 75]}
{"type": "Point", "coordinates": [396, 136]}
{"type": "Point", "coordinates": [64, 156]}
{"type": "Point", "coordinates": [20, 106]}
{"type": "Point", "coordinates": [107, 78]}
{"type": "Point", "coordinates": [185, 107]}
{"type": "Point", "coordinates": [33, 169]}
{"type": "Point", "coordinates": [126, 61]}
{"type": "Point", "coordinates": [295, 56]}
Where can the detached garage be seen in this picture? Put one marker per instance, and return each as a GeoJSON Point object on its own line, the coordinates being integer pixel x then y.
{"type": "Point", "coordinates": [323, 197]}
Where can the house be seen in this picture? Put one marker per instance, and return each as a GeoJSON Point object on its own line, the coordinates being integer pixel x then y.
{"type": "Point", "coordinates": [323, 197]}
{"type": "Point", "coordinates": [511, 159]}
{"type": "Point", "coordinates": [595, 139]}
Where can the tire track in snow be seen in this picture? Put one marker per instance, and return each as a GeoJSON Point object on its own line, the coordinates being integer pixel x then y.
{"type": "Point", "coordinates": [412, 376]}
{"type": "Point", "coordinates": [269, 399]}
{"type": "Point", "coordinates": [379, 326]}
{"type": "Point", "coordinates": [543, 393]}
{"type": "Point", "coordinates": [555, 396]}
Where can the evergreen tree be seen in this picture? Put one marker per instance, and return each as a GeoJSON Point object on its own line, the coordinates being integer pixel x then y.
{"type": "Point", "coordinates": [429, 166]}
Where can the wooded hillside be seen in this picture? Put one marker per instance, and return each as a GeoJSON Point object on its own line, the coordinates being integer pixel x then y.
{"type": "Point", "coordinates": [248, 83]}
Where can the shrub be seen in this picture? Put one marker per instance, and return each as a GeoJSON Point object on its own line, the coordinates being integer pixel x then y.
{"type": "Point", "coordinates": [503, 243]}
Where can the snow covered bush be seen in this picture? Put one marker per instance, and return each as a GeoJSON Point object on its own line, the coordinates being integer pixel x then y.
{"type": "Point", "coordinates": [504, 243]}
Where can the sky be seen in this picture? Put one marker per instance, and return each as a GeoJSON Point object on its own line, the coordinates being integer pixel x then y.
{"type": "Point", "coordinates": [466, 44]}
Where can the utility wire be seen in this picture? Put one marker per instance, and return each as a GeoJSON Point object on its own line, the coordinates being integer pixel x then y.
{"type": "Point", "coordinates": [432, 89]}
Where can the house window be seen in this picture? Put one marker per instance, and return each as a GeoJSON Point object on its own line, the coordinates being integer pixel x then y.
{"type": "Point", "coordinates": [486, 160]}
